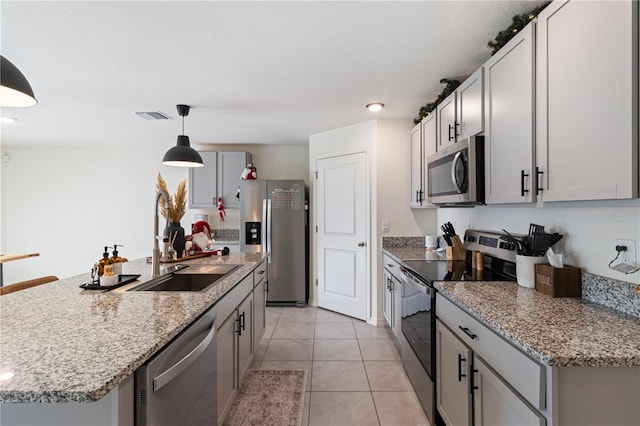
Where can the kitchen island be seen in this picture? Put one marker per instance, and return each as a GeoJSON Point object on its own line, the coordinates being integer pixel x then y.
{"type": "Point", "coordinates": [62, 344]}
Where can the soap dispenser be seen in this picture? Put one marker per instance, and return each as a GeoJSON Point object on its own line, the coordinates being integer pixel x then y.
{"type": "Point", "coordinates": [104, 261]}
{"type": "Point", "coordinates": [116, 260]}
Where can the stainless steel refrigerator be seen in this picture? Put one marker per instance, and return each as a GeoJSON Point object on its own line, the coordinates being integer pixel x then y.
{"type": "Point", "coordinates": [273, 219]}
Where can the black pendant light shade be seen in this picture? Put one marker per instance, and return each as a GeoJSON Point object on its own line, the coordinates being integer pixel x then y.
{"type": "Point", "coordinates": [182, 155]}
{"type": "Point", "coordinates": [15, 90]}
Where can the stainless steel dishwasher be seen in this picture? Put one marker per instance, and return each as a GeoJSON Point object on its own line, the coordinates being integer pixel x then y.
{"type": "Point", "coordinates": [178, 384]}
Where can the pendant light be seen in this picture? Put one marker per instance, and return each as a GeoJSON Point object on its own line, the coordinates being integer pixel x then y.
{"type": "Point", "coordinates": [15, 90]}
{"type": "Point", "coordinates": [182, 155]}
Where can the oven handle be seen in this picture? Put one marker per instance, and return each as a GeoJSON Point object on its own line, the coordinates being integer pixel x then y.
{"type": "Point", "coordinates": [421, 287]}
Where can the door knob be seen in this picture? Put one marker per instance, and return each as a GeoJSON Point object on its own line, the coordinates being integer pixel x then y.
{"type": "Point", "coordinates": [362, 244]}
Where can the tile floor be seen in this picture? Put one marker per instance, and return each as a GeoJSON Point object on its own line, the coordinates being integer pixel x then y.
{"type": "Point", "coordinates": [355, 376]}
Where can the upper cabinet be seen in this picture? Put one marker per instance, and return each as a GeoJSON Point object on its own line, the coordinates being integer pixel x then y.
{"type": "Point", "coordinates": [469, 107]}
{"type": "Point", "coordinates": [447, 124]}
{"type": "Point", "coordinates": [202, 182]}
{"type": "Point", "coordinates": [586, 81]}
{"type": "Point", "coordinates": [417, 169]}
{"type": "Point", "coordinates": [509, 121]}
{"type": "Point", "coordinates": [219, 177]}
{"type": "Point", "coordinates": [423, 144]}
{"type": "Point", "coordinates": [460, 114]}
{"type": "Point", "coordinates": [230, 168]}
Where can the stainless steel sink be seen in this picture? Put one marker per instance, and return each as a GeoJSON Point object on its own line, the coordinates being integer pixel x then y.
{"type": "Point", "coordinates": [188, 278]}
{"type": "Point", "coordinates": [179, 282]}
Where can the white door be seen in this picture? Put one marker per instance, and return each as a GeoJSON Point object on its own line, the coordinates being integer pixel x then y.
{"type": "Point", "coordinates": [342, 244]}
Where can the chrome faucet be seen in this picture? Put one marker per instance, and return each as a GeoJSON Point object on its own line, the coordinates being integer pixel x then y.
{"type": "Point", "coordinates": [155, 259]}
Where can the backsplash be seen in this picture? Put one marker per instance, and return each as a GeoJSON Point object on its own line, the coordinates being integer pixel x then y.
{"type": "Point", "coordinates": [402, 242]}
{"type": "Point", "coordinates": [619, 295]}
{"type": "Point", "coordinates": [226, 234]}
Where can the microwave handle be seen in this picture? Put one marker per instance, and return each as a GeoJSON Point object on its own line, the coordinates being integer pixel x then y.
{"type": "Point", "coordinates": [454, 178]}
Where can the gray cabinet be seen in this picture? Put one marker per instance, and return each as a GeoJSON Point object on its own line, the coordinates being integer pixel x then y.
{"type": "Point", "coordinates": [259, 302]}
{"type": "Point", "coordinates": [452, 364]}
{"type": "Point", "coordinates": [391, 294]}
{"type": "Point", "coordinates": [482, 379]}
{"type": "Point", "coordinates": [587, 118]}
{"type": "Point", "coordinates": [417, 168]}
{"type": "Point", "coordinates": [494, 403]}
{"type": "Point", "coordinates": [234, 324]}
{"type": "Point", "coordinates": [461, 114]}
{"type": "Point", "coordinates": [230, 168]}
{"type": "Point", "coordinates": [203, 182]}
{"type": "Point", "coordinates": [423, 144]}
{"type": "Point", "coordinates": [509, 119]}
{"type": "Point", "coordinates": [219, 177]}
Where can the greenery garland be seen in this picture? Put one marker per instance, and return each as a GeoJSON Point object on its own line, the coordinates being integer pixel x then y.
{"type": "Point", "coordinates": [451, 85]}
{"type": "Point", "coordinates": [503, 37]}
{"type": "Point", "coordinates": [518, 23]}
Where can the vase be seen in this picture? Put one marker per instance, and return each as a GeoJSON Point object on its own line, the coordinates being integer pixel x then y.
{"type": "Point", "coordinates": [175, 232]}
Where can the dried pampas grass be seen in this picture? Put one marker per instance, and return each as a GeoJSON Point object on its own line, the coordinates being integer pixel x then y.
{"type": "Point", "coordinates": [177, 202]}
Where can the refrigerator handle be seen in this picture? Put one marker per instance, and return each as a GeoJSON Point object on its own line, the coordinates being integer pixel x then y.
{"type": "Point", "coordinates": [269, 229]}
{"type": "Point", "coordinates": [264, 225]}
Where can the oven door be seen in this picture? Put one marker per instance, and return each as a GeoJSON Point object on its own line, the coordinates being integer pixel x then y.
{"type": "Point", "coordinates": [418, 319]}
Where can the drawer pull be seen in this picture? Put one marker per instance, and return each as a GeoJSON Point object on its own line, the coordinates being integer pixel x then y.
{"type": "Point", "coordinates": [467, 332]}
{"type": "Point", "coordinates": [460, 361]}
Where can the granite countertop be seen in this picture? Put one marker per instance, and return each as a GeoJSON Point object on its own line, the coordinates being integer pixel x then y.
{"type": "Point", "coordinates": [555, 331]}
{"type": "Point", "coordinates": [59, 343]}
{"type": "Point", "coordinates": [419, 253]}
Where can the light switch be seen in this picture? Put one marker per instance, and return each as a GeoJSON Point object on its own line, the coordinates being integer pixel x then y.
{"type": "Point", "coordinates": [386, 226]}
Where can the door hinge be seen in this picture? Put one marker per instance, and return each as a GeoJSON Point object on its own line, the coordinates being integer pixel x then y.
{"type": "Point", "coordinates": [316, 282]}
{"type": "Point", "coordinates": [316, 173]}
{"type": "Point", "coordinates": [316, 228]}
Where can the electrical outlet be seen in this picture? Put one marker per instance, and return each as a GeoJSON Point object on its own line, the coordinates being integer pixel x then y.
{"type": "Point", "coordinates": [627, 256]}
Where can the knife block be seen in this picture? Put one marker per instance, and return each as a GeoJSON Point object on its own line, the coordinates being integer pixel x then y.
{"type": "Point", "coordinates": [456, 251]}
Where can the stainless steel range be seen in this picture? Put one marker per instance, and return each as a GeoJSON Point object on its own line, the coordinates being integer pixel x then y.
{"type": "Point", "coordinates": [418, 303]}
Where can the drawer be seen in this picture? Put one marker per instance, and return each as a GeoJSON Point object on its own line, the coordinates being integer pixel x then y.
{"type": "Point", "coordinates": [232, 299]}
{"type": "Point", "coordinates": [260, 273]}
{"type": "Point", "coordinates": [521, 372]}
{"type": "Point", "coordinates": [391, 265]}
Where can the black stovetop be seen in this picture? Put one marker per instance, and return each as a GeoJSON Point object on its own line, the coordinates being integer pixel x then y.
{"type": "Point", "coordinates": [460, 270]}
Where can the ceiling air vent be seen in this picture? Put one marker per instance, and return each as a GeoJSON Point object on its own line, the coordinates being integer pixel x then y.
{"type": "Point", "coordinates": [153, 115]}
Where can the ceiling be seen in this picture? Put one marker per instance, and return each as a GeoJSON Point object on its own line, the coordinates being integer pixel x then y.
{"type": "Point", "coordinates": [253, 72]}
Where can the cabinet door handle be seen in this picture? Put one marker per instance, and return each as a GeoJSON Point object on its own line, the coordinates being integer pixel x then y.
{"type": "Point", "coordinates": [450, 129]}
{"type": "Point", "coordinates": [456, 126]}
{"type": "Point", "coordinates": [239, 328]}
{"type": "Point", "coordinates": [473, 379]}
{"type": "Point", "coordinates": [467, 332]}
{"type": "Point", "coordinates": [242, 321]}
{"type": "Point", "coordinates": [538, 188]}
{"type": "Point", "coordinates": [523, 191]}
{"type": "Point", "coordinates": [460, 361]}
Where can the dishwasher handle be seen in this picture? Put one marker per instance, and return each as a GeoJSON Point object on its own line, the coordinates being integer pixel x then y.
{"type": "Point", "coordinates": [416, 284]}
{"type": "Point", "coordinates": [172, 372]}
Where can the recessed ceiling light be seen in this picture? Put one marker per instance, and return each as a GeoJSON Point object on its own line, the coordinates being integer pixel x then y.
{"type": "Point", "coordinates": [7, 120]}
{"type": "Point", "coordinates": [375, 106]}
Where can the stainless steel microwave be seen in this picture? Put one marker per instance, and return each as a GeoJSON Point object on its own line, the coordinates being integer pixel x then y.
{"type": "Point", "coordinates": [455, 174]}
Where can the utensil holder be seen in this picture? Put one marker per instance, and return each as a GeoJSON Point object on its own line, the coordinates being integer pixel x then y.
{"type": "Point", "coordinates": [456, 251]}
{"type": "Point", "coordinates": [525, 269]}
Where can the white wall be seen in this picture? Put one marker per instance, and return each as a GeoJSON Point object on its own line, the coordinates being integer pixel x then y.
{"type": "Point", "coordinates": [67, 203]}
{"type": "Point", "coordinates": [589, 228]}
{"type": "Point", "coordinates": [387, 144]}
